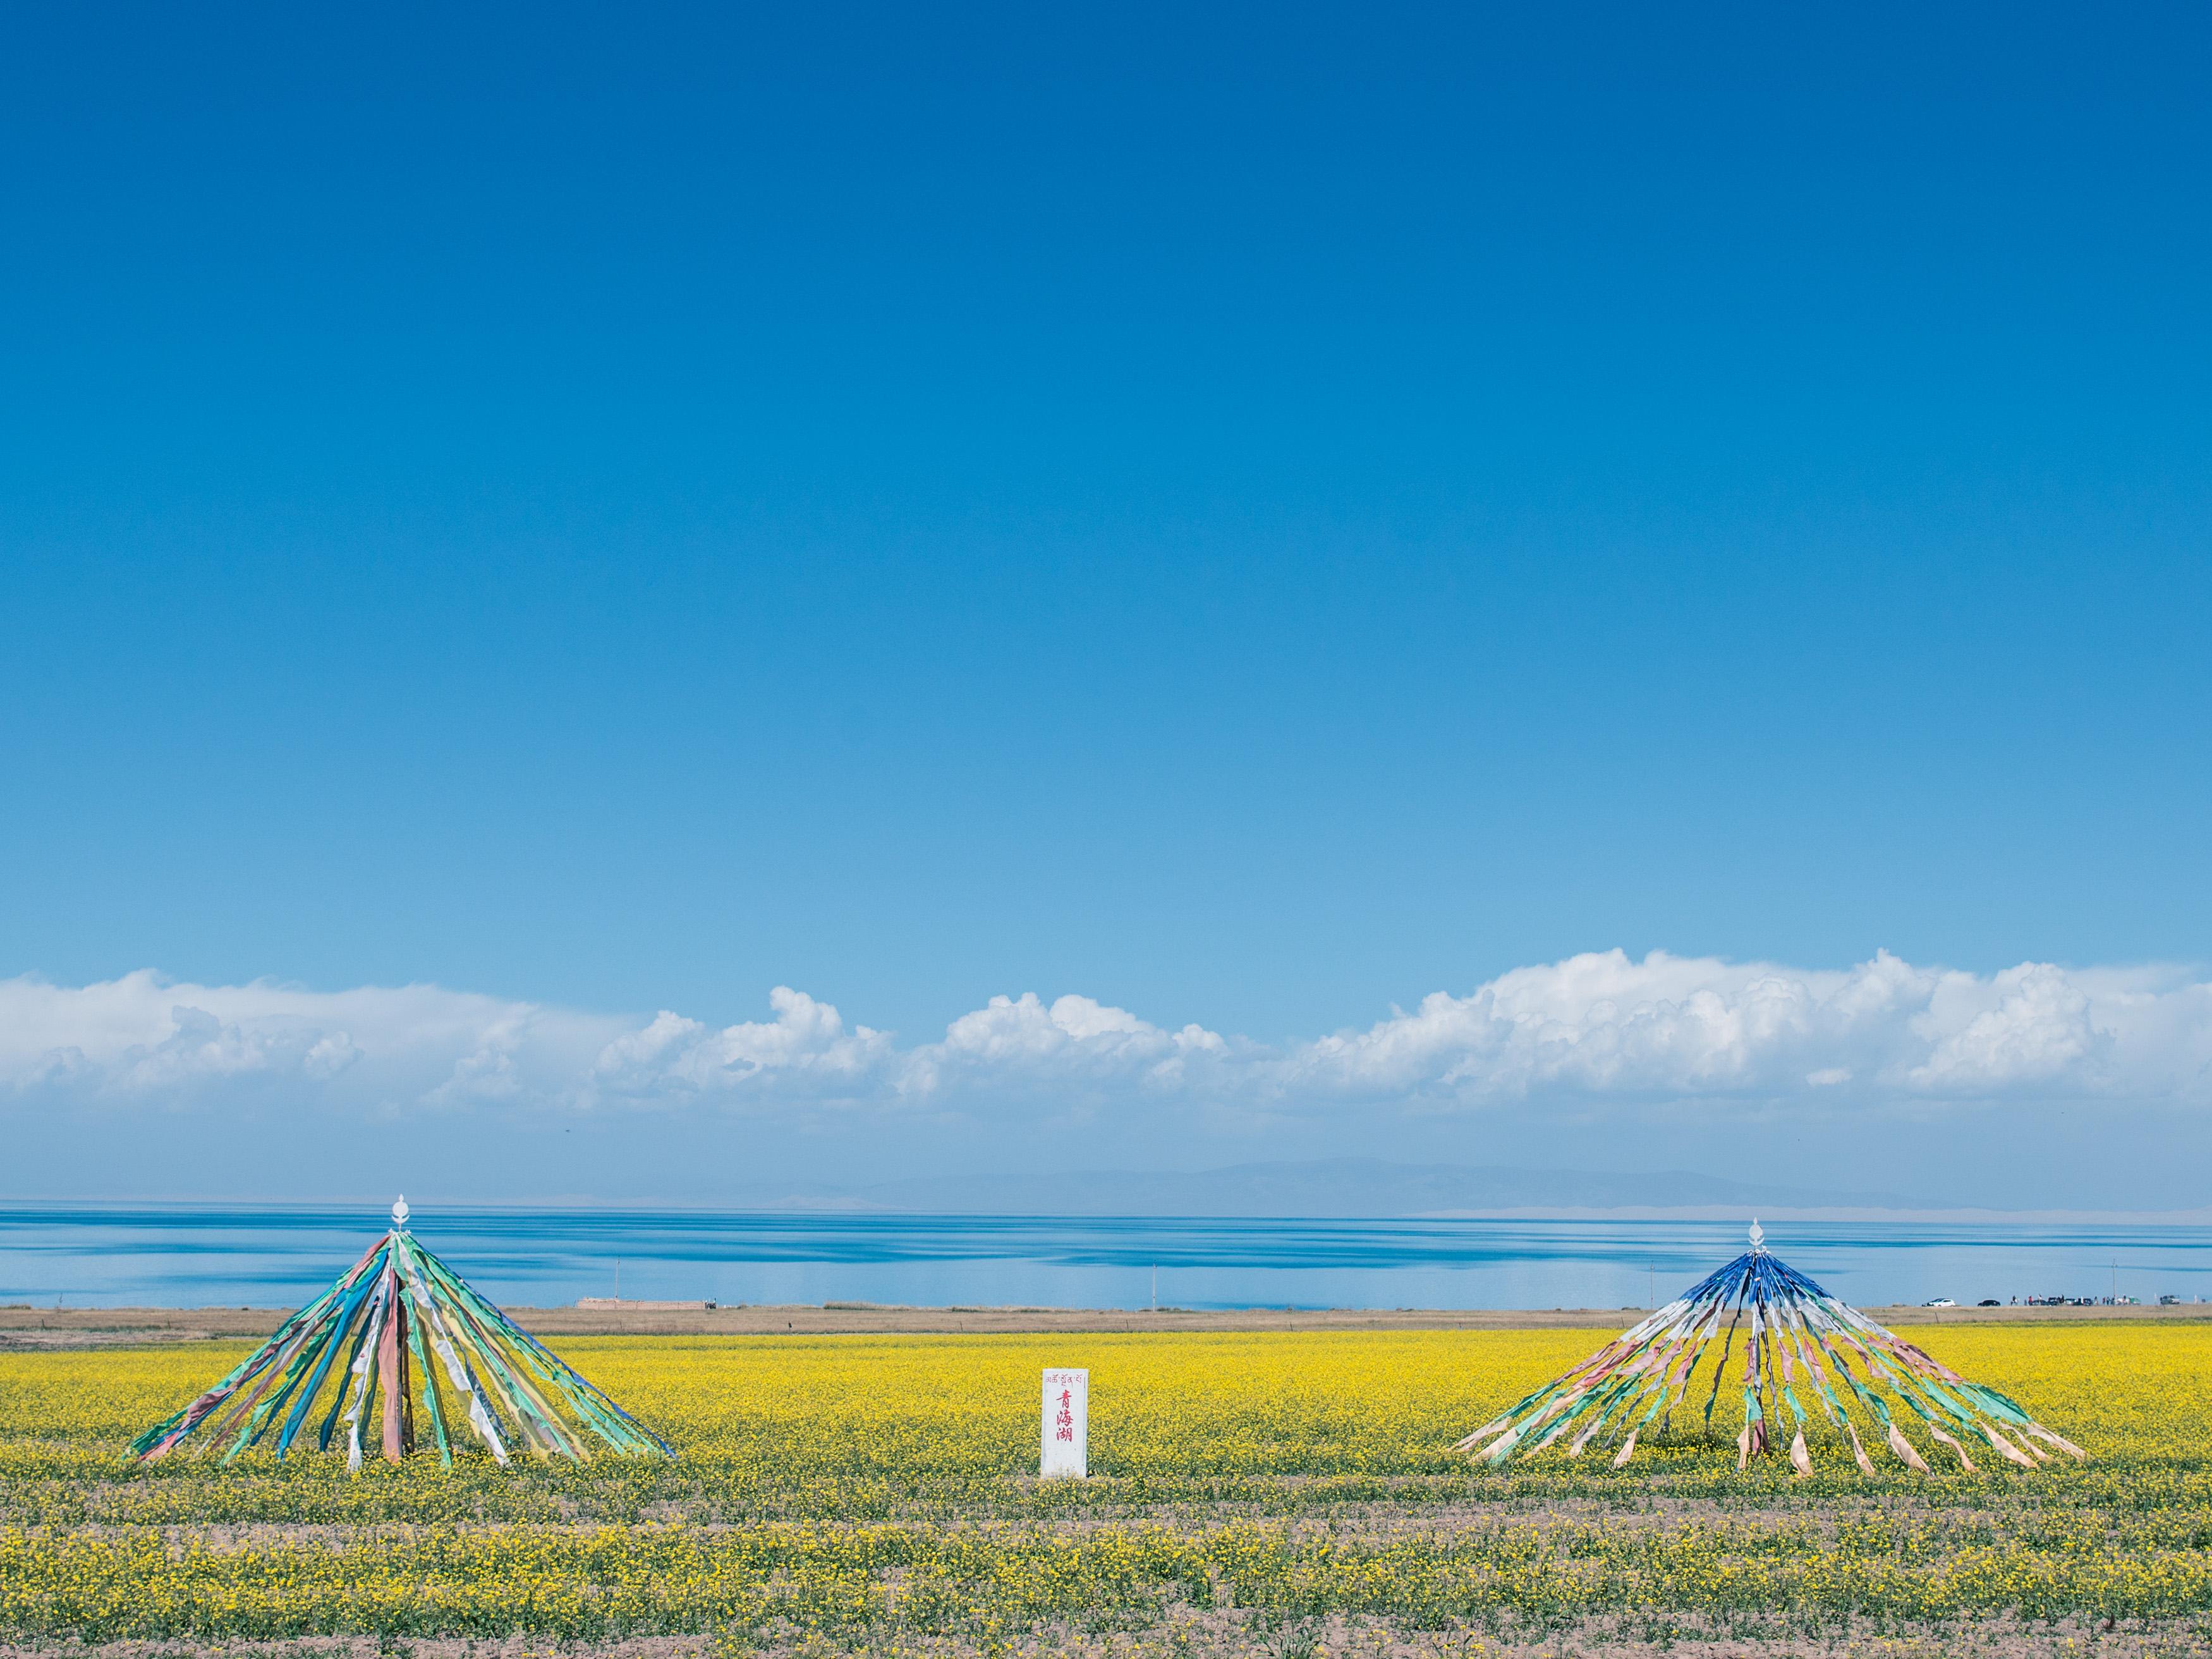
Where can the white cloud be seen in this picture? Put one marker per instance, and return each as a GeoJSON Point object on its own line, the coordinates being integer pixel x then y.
{"type": "Point", "coordinates": [805, 1049]}
{"type": "Point", "coordinates": [331, 1054]}
{"type": "Point", "coordinates": [1605, 1026]}
{"type": "Point", "coordinates": [142, 1037]}
{"type": "Point", "coordinates": [1018, 1042]}
{"type": "Point", "coordinates": [2040, 1027]}
{"type": "Point", "coordinates": [1591, 1029]}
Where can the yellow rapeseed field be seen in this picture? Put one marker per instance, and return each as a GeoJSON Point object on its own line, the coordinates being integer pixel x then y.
{"type": "Point", "coordinates": [873, 1492]}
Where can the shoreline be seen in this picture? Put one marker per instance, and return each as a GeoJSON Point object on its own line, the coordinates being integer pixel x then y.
{"type": "Point", "coordinates": [49, 1327]}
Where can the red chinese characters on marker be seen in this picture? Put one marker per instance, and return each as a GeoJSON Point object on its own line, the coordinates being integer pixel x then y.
{"type": "Point", "coordinates": [1063, 1426]}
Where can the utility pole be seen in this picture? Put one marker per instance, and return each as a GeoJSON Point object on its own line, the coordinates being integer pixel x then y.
{"type": "Point", "coordinates": [1156, 1287]}
{"type": "Point", "coordinates": [617, 1279]}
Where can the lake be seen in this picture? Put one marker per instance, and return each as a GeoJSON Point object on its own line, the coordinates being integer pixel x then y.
{"type": "Point", "coordinates": [187, 1255]}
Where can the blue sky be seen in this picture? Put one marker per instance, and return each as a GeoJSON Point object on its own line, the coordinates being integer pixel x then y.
{"type": "Point", "coordinates": [1252, 519]}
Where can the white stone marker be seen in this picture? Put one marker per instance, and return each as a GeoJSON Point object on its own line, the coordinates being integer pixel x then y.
{"type": "Point", "coordinates": [1067, 1427]}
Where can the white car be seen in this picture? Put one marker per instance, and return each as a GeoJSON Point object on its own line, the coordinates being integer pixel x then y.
{"type": "Point", "coordinates": [1939, 1302]}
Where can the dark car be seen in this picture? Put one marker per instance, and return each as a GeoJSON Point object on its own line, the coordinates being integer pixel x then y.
{"type": "Point", "coordinates": [1989, 1302]}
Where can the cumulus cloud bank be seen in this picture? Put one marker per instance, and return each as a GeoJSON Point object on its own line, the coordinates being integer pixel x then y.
{"type": "Point", "coordinates": [1595, 1028]}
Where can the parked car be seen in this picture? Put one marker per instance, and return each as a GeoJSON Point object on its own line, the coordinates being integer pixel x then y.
{"type": "Point", "coordinates": [1939, 1302]}
{"type": "Point", "coordinates": [1989, 1302]}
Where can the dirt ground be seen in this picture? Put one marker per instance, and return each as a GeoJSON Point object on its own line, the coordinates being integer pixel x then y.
{"type": "Point", "coordinates": [24, 1327]}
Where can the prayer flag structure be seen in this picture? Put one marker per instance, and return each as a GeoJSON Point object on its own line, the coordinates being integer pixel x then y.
{"type": "Point", "coordinates": [398, 1316]}
{"type": "Point", "coordinates": [1795, 1336]}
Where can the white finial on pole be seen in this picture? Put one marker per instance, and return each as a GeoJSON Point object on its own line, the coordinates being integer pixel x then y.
{"type": "Point", "coordinates": [1757, 1236]}
{"type": "Point", "coordinates": [399, 1213]}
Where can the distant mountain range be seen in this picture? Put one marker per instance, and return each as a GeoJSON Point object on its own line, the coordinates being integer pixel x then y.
{"type": "Point", "coordinates": [1324, 1186]}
